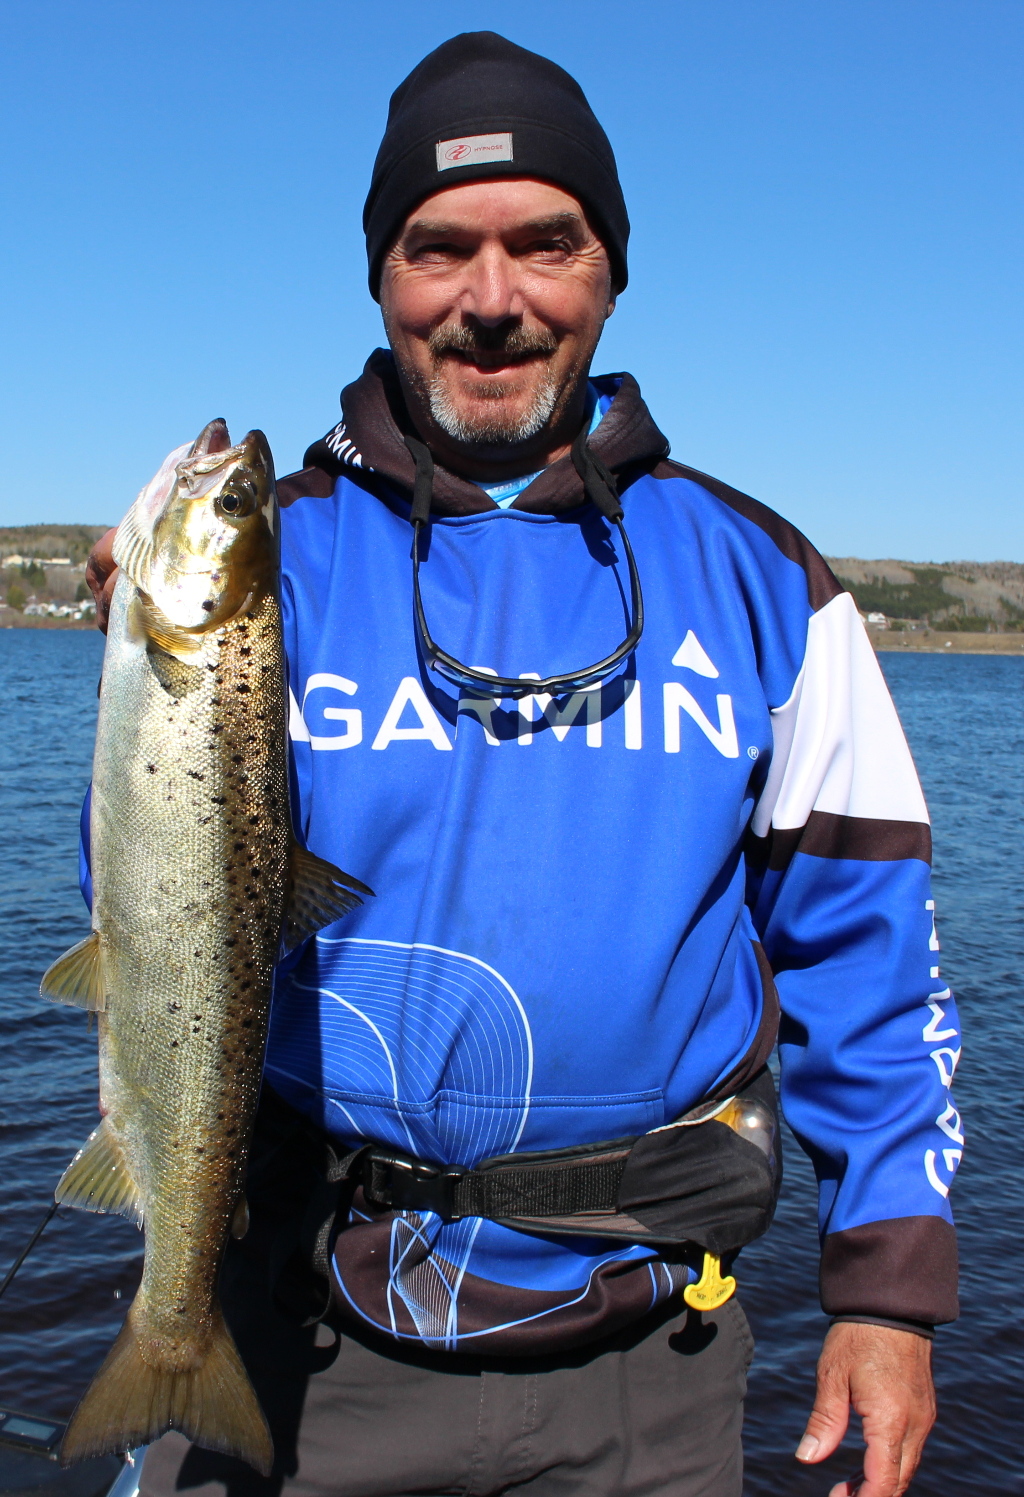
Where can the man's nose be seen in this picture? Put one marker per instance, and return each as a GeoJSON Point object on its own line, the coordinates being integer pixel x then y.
{"type": "Point", "coordinates": [491, 293]}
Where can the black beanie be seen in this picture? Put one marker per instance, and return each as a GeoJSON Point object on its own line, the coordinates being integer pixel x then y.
{"type": "Point", "coordinates": [479, 106]}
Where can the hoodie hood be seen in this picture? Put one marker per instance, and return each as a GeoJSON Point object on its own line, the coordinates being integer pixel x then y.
{"type": "Point", "coordinates": [370, 439]}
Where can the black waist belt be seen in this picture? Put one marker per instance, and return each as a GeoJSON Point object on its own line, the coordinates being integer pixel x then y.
{"type": "Point", "coordinates": [711, 1183]}
{"type": "Point", "coordinates": [561, 1183]}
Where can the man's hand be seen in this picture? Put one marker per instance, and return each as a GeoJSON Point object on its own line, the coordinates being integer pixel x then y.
{"type": "Point", "coordinates": [886, 1375]}
{"type": "Point", "coordinates": [101, 575]}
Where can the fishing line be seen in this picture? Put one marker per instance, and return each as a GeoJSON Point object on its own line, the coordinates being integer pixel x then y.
{"type": "Point", "coordinates": [47, 1219]}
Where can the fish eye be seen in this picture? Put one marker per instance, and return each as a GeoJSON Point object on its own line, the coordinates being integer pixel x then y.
{"type": "Point", "coordinates": [238, 502]}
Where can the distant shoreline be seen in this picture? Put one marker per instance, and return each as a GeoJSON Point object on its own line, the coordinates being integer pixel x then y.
{"type": "Point", "coordinates": [885, 641]}
{"type": "Point", "coordinates": [11, 619]}
{"type": "Point", "coordinates": [943, 642]}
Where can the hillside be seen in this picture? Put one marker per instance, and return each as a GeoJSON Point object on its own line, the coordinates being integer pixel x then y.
{"type": "Point", "coordinates": [974, 596]}
{"type": "Point", "coordinates": [73, 541]}
{"type": "Point", "coordinates": [967, 596]}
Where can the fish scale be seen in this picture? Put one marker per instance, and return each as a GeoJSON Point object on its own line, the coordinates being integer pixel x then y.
{"type": "Point", "coordinates": [198, 886]}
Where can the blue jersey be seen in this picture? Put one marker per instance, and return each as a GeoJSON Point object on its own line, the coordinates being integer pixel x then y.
{"type": "Point", "coordinates": [571, 892]}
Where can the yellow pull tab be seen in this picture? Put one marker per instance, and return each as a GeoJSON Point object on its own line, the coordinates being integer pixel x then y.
{"type": "Point", "coordinates": [710, 1290]}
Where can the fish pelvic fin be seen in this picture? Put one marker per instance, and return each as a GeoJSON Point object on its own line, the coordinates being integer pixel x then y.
{"type": "Point", "coordinates": [78, 977]}
{"type": "Point", "coordinates": [318, 895]}
{"type": "Point", "coordinates": [98, 1178]}
{"type": "Point", "coordinates": [131, 1402]}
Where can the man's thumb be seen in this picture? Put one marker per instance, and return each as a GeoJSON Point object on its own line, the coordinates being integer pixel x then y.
{"type": "Point", "coordinates": [827, 1424]}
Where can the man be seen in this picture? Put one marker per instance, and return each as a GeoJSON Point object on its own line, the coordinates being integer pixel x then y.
{"type": "Point", "coordinates": [585, 944]}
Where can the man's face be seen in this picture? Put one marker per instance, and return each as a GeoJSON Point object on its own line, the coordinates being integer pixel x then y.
{"type": "Point", "coordinates": [494, 295]}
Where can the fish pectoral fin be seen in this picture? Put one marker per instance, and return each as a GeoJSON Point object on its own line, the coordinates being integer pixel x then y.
{"type": "Point", "coordinates": [78, 976]}
{"type": "Point", "coordinates": [319, 894]}
{"type": "Point", "coordinates": [161, 632]}
{"type": "Point", "coordinates": [98, 1178]}
{"type": "Point", "coordinates": [133, 1401]}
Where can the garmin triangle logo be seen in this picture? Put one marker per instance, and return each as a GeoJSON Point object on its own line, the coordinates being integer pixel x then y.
{"type": "Point", "coordinates": [692, 656]}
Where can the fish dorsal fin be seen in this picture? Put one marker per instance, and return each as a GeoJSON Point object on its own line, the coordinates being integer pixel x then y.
{"type": "Point", "coordinates": [319, 895]}
{"type": "Point", "coordinates": [78, 977]}
{"type": "Point", "coordinates": [98, 1178]}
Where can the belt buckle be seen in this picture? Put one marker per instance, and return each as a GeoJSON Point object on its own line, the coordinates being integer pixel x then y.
{"type": "Point", "coordinates": [413, 1185]}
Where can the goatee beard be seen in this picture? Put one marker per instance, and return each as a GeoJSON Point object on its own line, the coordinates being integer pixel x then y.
{"type": "Point", "coordinates": [493, 428]}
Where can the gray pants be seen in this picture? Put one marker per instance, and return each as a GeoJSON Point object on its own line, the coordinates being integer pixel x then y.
{"type": "Point", "coordinates": [655, 1411]}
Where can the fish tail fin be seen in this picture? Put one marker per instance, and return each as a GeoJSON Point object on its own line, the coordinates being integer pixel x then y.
{"type": "Point", "coordinates": [131, 1403]}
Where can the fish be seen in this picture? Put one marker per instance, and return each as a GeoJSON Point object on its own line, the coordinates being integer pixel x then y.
{"type": "Point", "coordinates": [199, 887]}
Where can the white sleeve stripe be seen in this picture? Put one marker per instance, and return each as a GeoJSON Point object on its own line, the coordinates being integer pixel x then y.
{"type": "Point", "coordinates": [838, 743]}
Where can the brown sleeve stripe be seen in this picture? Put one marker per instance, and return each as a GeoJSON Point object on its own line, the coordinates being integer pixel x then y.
{"type": "Point", "coordinates": [822, 585]}
{"type": "Point", "coordinates": [904, 1268]}
{"type": "Point", "coordinates": [862, 839]}
{"type": "Point", "coordinates": [315, 482]}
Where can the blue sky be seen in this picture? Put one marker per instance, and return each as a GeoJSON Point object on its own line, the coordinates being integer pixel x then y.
{"type": "Point", "coordinates": [825, 307]}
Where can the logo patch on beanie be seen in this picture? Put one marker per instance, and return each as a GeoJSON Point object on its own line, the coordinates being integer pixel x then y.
{"type": "Point", "coordinates": [472, 150]}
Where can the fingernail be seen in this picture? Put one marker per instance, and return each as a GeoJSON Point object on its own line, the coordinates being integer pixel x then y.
{"type": "Point", "coordinates": [807, 1449]}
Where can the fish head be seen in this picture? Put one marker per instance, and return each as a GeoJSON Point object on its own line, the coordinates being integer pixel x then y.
{"type": "Point", "coordinates": [202, 540]}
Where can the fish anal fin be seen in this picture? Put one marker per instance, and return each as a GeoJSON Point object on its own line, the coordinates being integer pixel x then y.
{"type": "Point", "coordinates": [132, 1402]}
{"type": "Point", "coordinates": [77, 977]}
{"type": "Point", "coordinates": [319, 894]}
{"type": "Point", "coordinates": [98, 1178]}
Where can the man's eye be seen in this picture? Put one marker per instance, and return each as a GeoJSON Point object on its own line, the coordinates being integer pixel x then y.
{"type": "Point", "coordinates": [436, 252]}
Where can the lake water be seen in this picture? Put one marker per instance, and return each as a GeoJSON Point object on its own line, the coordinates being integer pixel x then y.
{"type": "Point", "coordinates": [965, 719]}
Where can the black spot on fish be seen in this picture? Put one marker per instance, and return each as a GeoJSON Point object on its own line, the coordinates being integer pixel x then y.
{"type": "Point", "coordinates": [219, 800]}
{"type": "Point", "coordinates": [208, 605]}
{"type": "Point", "coordinates": [151, 768]}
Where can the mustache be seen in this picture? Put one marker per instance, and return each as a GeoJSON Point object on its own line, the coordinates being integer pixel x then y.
{"type": "Point", "coordinates": [508, 339]}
